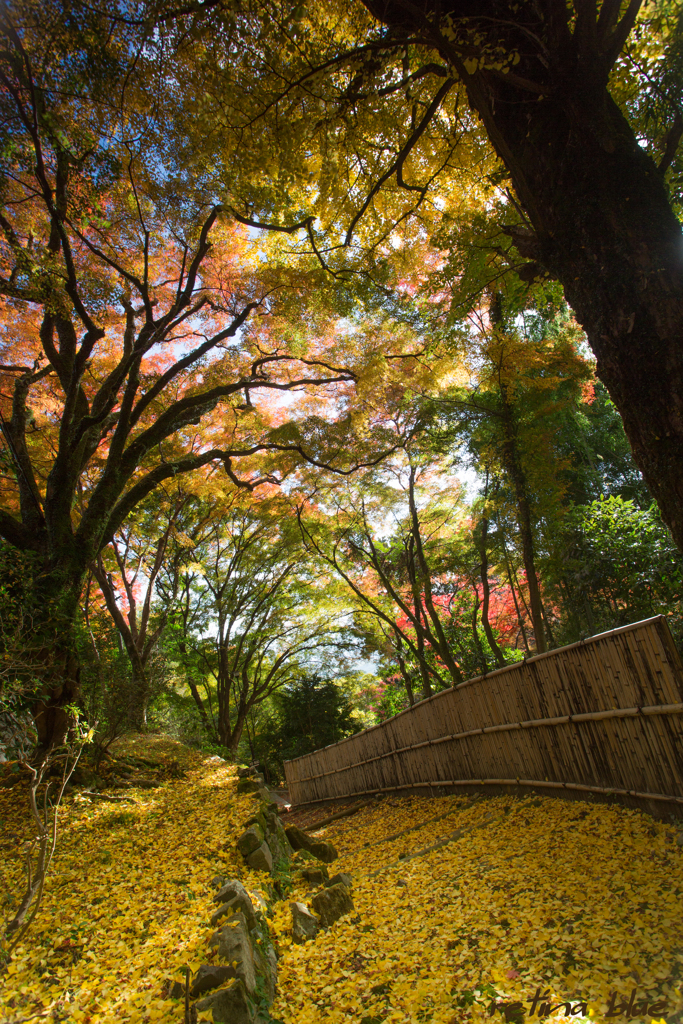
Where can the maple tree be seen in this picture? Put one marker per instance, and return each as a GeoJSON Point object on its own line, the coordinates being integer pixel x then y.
{"type": "Point", "coordinates": [206, 205]}
{"type": "Point", "coordinates": [127, 314]}
{"type": "Point", "coordinates": [403, 543]}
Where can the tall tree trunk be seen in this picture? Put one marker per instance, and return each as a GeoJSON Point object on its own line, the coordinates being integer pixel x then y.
{"type": "Point", "coordinates": [404, 668]}
{"type": "Point", "coordinates": [520, 619]}
{"type": "Point", "coordinates": [548, 627]}
{"type": "Point", "coordinates": [476, 639]}
{"type": "Point", "coordinates": [418, 617]}
{"type": "Point", "coordinates": [424, 575]}
{"type": "Point", "coordinates": [196, 697]}
{"type": "Point", "coordinates": [140, 693]}
{"type": "Point", "coordinates": [137, 654]}
{"type": "Point", "coordinates": [229, 733]}
{"type": "Point", "coordinates": [421, 655]}
{"type": "Point", "coordinates": [600, 220]}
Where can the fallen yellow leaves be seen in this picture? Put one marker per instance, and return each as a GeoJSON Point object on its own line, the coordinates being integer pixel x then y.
{"type": "Point", "coordinates": [126, 907]}
{"type": "Point", "coordinates": [575, 900]}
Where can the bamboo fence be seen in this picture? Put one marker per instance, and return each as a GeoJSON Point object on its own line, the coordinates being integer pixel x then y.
{"type": "Point", "coordinates": [603, 716]}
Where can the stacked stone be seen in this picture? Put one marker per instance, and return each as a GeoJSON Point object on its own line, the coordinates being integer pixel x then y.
{"type": "Point", "coordinates": [264, 844]}
{"type": "Point", "coordinates": [243, 940]}
{"type": "Point", "coordinates": [243, 987]}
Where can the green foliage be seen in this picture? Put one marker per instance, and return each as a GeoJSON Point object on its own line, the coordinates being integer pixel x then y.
{"type": "Point", "coordinates": [390, 698]}
{"type": "Point", "coordinates": [175, 713]}
{"type": "Point", "coordinates": [20, 646]}
{"type": "Point", "coordinates": [507, 390]}
{"type": "Point", "coordinates": [618, 564]}
{"type": "Point", "coordinates": [594, 452]}
{"type": "Point", "coordinates": [251, 611]}
{"type": "Point", "coordinates": [307, 714]}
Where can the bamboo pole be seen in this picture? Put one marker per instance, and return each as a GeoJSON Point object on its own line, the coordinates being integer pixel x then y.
{"type": "Point", "coordinates": [544, 784]}
{"type": "Point", "coordinates": [591, 716]}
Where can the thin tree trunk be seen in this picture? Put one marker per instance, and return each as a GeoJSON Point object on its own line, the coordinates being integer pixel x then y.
{"type": "Point", "coordinates": [421, 658]}
{"type": "Point", "coordinates": [404, 669]}
{"type": "Point", "coordinates": [139, 694]}
{"type": "Point", "coordinates": [516, 474]}
{"type": "Point", "coordinates": [475, 634]}
{"type": "Point", "coordinates": [250, 740]}
{"type": "Point", "coordinates": [589, 614]}
{"type": "Point", "coordinates": [520, 620]}
{"type": "Point", "coordinates": [548, 626]}
{"type": "Point", "coordinates": [486, 591]}
{"type": "Point", "coordinates": [417, 616]}
{"type": "Point", "coordinates": [200, 706]}
{"type": "Point", "coordinates": [230, 736]}
{"type": "Point", "coordinates": [442, 643]}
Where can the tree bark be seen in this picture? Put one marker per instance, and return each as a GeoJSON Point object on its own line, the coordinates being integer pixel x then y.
{"type": "Point", "coordinates": [486, 590]}
{"type": "Point", "coordinates": [599, 216]}
{"type": "Point", "coordinates": [196, 696]}
{"type": "Point", "coordinates": [139, 693]}
{"type": "Point", "coordinates": [230, 735]}
{"type": "Point", "coordinates": [476, 639]}
{"type": "Point", "coordinates": [398, 648]}
{"type": "Point", "coordinates": [520, 620]}
{"type": "Point", "coordinates": [426, 580]}
{"type": "Point", "coordinates": [57, 666]}
{"type": "Point", "coordinates": [516, 474]}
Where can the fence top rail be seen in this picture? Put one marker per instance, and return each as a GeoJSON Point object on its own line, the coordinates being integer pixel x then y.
{"type": "Point", "coordinates": [489, 675]}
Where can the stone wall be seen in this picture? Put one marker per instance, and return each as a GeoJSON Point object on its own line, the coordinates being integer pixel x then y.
{"type": "Point", "coordinates": [241, 988]}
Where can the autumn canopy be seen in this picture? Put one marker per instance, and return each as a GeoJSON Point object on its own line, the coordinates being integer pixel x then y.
{"type": "Point", "coordinates": [332, 336]}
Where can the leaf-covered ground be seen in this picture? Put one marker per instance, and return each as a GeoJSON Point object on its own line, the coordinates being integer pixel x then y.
{"type": "Point", "coordinates": [575, 900]}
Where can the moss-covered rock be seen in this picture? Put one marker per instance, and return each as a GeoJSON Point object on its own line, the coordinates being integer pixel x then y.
{"type": "Point", "coordinates": [304, 925]}
{"type": "Point", "coordinates": [261, 859]}
{"type": "Point", "coordinates": [331, 904]}
{"type": "Point", "coordinates": [211, 976]}
{"type": "Point", "coordinates": [314, 876]}
{"type": "Point", "coordinates": [230, 1005]}
{"type": "Point", "coordinates": [248, 786]}
{"type": "Point", "coordinates": [234, 945]}
{"type": "Point", "coordinates": [318, 848]}
{"type": "Point", "coordinates": [250, 840]}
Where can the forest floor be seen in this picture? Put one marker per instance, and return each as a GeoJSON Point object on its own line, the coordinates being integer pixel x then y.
{"type": "Point", "coordinates": [571, 902]}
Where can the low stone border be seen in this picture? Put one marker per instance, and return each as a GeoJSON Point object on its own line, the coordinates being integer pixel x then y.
{"type": "Point", "coordinates": [241, 990]}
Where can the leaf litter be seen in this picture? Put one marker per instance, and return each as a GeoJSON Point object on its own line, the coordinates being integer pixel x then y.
{"type": "Point", "coordinates": [462, 905]}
